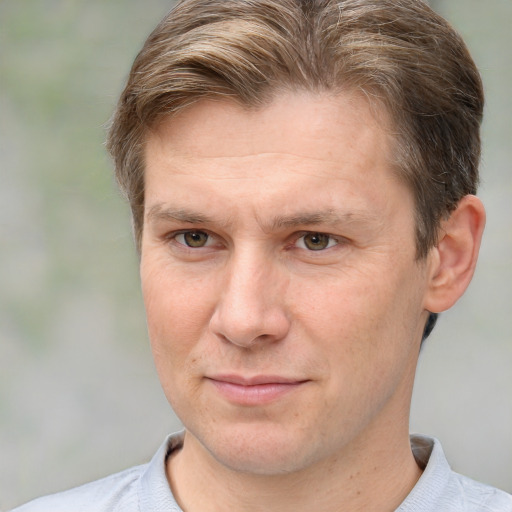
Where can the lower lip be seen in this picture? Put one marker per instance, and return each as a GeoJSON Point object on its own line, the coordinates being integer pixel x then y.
{"type": "Point", "coordinates": [259, 394]}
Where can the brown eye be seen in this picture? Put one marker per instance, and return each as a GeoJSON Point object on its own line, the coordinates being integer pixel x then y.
{"type": "Point", "coordinates": [317, 241]}
{"type": "Point", "coordinates": [193, 238]}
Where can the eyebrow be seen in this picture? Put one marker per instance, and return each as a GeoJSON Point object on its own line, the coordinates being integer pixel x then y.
{"type": "Point", "coordinates": [328, 216]}
{"type": "Point", "coordinates": [331, 217]}
{"type": "Point", "coordinates": [159, 212]}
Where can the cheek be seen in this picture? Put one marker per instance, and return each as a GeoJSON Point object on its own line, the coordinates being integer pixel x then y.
{"type": "Point", "coordinates": [177, 312]}
{"type": "Point", "coordinates": [340, 306]}
{"type": "Point", "coordinates": [365, 321]}
{"type": "Point", "coordinates": [178, 309]}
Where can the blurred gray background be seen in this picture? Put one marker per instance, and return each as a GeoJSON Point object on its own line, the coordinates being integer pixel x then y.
{"type": "Point", "coordinates": [79, 398]}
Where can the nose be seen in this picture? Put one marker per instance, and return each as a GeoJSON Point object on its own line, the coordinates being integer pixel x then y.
{"type": "Point", "coordinates": [251, 309]}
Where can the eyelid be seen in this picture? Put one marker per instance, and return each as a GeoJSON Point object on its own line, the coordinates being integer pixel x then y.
{"type": "Point", "coordinates": [172, 237]}
{"type": "Point", "coordinates": [332, 238]}
{"type": "Point", "coordinates": [213, 239]}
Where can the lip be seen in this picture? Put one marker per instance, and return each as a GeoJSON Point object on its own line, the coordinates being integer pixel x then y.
{"type": "Point", "coordinates": [256, 390]}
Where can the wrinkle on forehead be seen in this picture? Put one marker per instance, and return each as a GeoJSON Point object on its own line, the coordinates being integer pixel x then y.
{"type": "Point", "coordinates": [284, 164]}
{"type": "Point", "coordinates": [288, 157]}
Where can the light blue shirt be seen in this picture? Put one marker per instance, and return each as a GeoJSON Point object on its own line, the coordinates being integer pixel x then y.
{"type": "Point", "coordinates": [145, 488]}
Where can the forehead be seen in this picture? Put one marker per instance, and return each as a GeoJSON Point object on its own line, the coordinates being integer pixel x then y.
{"type": "Point", "coordinates": [307, 124]}
{"type": "Point", "coordinates": [298, 148]}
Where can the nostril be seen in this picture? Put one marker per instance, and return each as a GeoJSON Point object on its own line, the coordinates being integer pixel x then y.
{"type": "Point", "coordinates": [247, 330]}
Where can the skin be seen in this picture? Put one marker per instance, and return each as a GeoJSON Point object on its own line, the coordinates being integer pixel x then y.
{"type": "Point", "coordinates": [286, 337]}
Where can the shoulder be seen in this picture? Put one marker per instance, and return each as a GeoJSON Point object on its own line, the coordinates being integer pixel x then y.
{"type": "Point", "coordinates": [139, 488]}
{"type": "Point", "coordinates": [112, 493]}
{"type": "Point", "coordinates": [479, 497]}
{"type": "Point", "coordinates": [441, 489]}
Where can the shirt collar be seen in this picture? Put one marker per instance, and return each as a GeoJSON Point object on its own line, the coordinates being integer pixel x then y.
{"type": "Point", "coordinates": [154, 491]}
{"type": "Point", "coordinates": [436, 475]}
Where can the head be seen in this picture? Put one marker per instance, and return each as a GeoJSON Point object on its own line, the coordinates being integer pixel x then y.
{"type": "Point", "coordinates": [228, 89]}
{"type": "Point", "coordinates": [399, 54]}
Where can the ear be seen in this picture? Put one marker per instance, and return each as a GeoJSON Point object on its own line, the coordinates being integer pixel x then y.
{"type": "Point", "coordinates": [452, 262]}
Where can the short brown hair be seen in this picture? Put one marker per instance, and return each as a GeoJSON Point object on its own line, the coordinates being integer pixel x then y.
{"type": "Point", "coordinates": [399, 53]}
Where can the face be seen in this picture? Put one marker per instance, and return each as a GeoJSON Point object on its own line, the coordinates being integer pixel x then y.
{"type": "Point", "coordinates": [284, 301]}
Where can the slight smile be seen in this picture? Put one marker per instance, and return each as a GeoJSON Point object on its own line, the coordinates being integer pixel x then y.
{"type": "Point", "coordinates": [259, 390]}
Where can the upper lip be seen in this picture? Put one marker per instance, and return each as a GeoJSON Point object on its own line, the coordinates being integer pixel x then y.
{"type": "Point", "coordinates": [255, 380]}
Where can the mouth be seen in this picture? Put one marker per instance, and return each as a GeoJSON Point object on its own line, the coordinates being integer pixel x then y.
{"type": "Point", "coordinates": [253, 391]}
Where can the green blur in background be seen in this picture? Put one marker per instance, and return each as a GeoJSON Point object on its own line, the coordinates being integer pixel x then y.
{"type": "Point", "coordinates": [79, 398]}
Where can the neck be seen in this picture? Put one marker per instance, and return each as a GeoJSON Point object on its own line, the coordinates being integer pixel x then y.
{"type": "Point", "coordinates": [370, 476]}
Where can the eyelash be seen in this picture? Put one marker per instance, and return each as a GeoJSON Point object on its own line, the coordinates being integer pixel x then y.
{"type": "Point", "coordinates": [331, 240]}
{"type": "Point", "coordinates": [173, 238]}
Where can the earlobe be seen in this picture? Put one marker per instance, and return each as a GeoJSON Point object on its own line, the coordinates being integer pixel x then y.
{"type": "Point", "coordinates": [453, 260]}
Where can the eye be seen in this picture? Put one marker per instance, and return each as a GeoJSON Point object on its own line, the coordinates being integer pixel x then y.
{"type": "Point", "coordinates": [194, 239]}
{"type": "Point", "coordinates": [316, 241]}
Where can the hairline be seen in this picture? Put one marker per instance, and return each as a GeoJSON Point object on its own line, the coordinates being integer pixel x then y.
{"type": "Point", "coordinates": [378, 109]}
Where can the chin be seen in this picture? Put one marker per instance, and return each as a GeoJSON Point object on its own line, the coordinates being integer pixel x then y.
{"type": "Point", "coordinates": [260, 450]}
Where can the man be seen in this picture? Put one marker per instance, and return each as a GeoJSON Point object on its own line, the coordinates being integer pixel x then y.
{"type": "Point", "coordinates": [301, 176]}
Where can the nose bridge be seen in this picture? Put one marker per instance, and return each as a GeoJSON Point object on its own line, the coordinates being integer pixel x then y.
{"type": "Point", "coordinates": [252, 303]}
{"type": "Point", "coordinates": [250, 271]}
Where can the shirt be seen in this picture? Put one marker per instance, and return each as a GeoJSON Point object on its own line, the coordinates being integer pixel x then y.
{"type": "Point", "coordinates": [145, 488]}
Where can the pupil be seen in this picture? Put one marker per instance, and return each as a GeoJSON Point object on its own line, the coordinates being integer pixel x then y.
{"type": "Point", "coordinates": [195, 238]}
{"type": "Point", "coordinates": [316, 241]}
